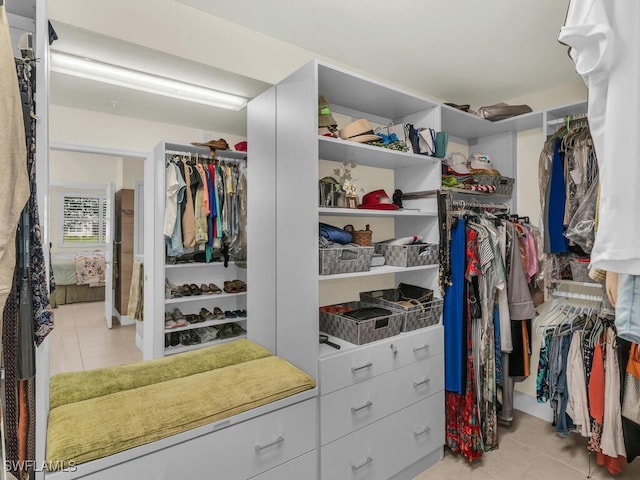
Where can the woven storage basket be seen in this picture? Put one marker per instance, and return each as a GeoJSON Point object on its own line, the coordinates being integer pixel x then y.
{"type": "Point", "coordinates": [360, 237]}
{"type": "Point", "coordinates": [487, 179]}
{"type": "Point", "coordinates": [360, 331]}
{"type": "Point", "coordinates": [345, 260]}
{"type": "Point", "coordinates": [504, 185]}
{"type": "Point", "coordinates": [418, 315]}
{"type": "Point", "coordinates": [409, 255]}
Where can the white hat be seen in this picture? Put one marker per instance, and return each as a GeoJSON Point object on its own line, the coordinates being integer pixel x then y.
{"type": "Point", "coordinates": [480, 161]}
{"type": "Point", "coordinates": [457, 162]}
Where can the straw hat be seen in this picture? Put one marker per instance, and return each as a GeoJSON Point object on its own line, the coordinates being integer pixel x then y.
{"type": "Point", "coordinates": [358, 131]}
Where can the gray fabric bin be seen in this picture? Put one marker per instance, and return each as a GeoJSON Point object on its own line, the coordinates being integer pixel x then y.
{"type": "Point", "coordinates": [360, 331]}
{"type": "Point", "coordinates": [417, 316]}
{"type": "Point", "coordinates": [345, 260]}
{"type": "Point", "coordinates": [409, 255]}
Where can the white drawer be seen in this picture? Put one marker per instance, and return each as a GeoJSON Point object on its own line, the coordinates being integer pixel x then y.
{"type": "Point", "coordinates": [305, 467]}
{"type": "Point", "coordinates": [387, 446]}
{"type": "Point", "coordinates": [354, 407]}
{"type": "Point", "coordinates": [237, 452]}
{"type": "Point", "coordinates": [367, 361]}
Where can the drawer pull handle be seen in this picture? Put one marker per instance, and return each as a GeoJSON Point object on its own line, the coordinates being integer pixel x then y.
{"type": "Point", "coordinates": [421, 347]}
{"type": "Point", "coordinates": [277, 441]}
{"type": "Point", "coordinates": [422, 382]}
{"type": "Point", "coordinates": [422, 432]}
{"type": "Point", "coordinates": [362, 407]}
{"type": "Point", "coordinates": [355, 468]}
{"type": "Point", "coordinates": [362, 367]}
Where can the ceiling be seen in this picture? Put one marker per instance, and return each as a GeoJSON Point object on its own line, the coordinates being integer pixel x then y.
{"type": "Point", "coordinates": [476, 52]}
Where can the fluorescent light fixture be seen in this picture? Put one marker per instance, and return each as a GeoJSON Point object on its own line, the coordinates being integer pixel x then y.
{"type": "Point", "coordinates": [144, 82]}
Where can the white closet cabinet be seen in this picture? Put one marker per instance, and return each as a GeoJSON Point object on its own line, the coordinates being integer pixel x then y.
{"type": "Point", "coordinates": [156, 269]}
{"type": "Point", "coordinates": [394, 384]}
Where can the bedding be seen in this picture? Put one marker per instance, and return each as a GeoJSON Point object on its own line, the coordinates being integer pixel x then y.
{"type": "Point", "coordinates": [98, 426]}
{"type": "Point", "coordinates": [66, 275]}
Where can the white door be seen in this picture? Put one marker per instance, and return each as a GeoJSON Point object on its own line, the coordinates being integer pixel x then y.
{"type": "Point", "coordinates": [109, 222]}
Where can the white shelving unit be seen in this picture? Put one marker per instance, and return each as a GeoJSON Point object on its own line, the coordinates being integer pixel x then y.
{"type": "Point", "coordinates": [156, 269]}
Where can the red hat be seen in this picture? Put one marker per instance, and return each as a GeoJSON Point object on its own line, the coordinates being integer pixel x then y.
{"type": "Point", "coordinates": [377, 200]}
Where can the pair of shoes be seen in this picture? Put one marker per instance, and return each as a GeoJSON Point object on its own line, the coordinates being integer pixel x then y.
{"type": "Point", "coordinates": [171, 339]}
{"type": "Point", "coordinates": [240, 313]}
{"type": "Point", "coordinates": [235, 286]}
{"type": "Point", "coordinates": [218, 313]}
{"type": "Point", "coordinates": [208, 333]}
{"type": "Point", "coordinates": [171, 290]}
{"type": "Point", "coordinates": [210, 289]}
{"type": "Point", "coordinates": [174, 319]}
{"type": "Point", "coordinates": [190, 337]}
{"type": "Point", "coordinates": [230, 314]}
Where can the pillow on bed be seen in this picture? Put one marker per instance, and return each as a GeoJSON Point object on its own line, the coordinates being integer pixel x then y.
{"type": "Point", "coordinates": [77, 386]}
{"type": "Point", "coordinates": [106, 425]}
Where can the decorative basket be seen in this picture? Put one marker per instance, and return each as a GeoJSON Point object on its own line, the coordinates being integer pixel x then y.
{"type": "Point", "coordinates": [360, 237]}
{"type": "Point", "coordinates": [504, 185]}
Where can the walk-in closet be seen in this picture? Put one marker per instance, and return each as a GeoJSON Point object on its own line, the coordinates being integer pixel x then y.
{"type": "Point", "coordinates": [322, 242]}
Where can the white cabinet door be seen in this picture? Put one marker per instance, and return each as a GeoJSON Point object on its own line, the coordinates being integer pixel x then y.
{"type": "Point", "coordinates": [387, 446]}
{"type": "Point", "coordinates": [354, 407]}
{"type": "Point", "coordinates": [305, 467]}
{"type": "Point", "coordinates": [367, 361]}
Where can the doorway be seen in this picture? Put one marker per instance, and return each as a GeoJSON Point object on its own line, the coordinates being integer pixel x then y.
{"type": "Point", "coordinates": [85, 232]}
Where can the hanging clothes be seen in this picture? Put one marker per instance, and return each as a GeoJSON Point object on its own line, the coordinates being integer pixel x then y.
{"type": "Point", "coordinates": [14, 181]}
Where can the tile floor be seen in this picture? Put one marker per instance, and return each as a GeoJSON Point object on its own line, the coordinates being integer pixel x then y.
{"type": "Point", "coordinates": [81, 340]}
{"type": "Point", "coordinates": [528, 449]}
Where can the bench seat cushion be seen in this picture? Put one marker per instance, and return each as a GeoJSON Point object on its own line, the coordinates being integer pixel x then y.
{"type": "Point", "coordinates": [90, 429]}
{"type": "Point", "coordinates": [74, 387]}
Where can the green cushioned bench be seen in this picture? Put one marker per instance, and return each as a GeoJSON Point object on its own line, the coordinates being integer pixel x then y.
{"type": "Point", "coordinates": [101, 412]}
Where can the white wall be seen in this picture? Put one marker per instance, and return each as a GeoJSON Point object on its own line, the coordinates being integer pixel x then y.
{"type": "Point", "coordinates": [84, 127]}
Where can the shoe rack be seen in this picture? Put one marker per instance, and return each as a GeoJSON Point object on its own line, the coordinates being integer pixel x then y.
{"type": "Point", "coordinates": [162, 338]}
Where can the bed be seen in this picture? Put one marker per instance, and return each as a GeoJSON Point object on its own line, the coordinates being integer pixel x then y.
{"type": "Point", "coordinates": [79, 277]}
{"type": "Point", "coordinates": [179, 416]}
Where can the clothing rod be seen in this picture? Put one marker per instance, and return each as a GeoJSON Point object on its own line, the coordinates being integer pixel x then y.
{"type": "Point", "coordinates": [579, 296]}
{"type": "Point", "coordinates": [558, 121]}
{"type": "Point", "coordinates": [219, 156]}
{"type": "Point", "coordinates": [489, 206]}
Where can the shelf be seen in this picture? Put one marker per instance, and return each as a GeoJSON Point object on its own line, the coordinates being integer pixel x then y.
{"type": "Point", "coordinates": [362, 212]}
{"type": "Point", "coordinates": [469, 126]}
{"type": "Point", "coordinates": [187, 348]}
{"type": "Point", "coordinates": [340, 150]}
{"type": "Point", "coordinates": [171, 266]}
{"type": "Point", "coordinates": [469, 192]}
{"type": "Point", "coordinates": [201, 298]}
{"type": "Point", "coordinates": [208, 323]}
{"type": "Point", "coordinates": [573, 283]}
{"type": "Point", "coordinates": [383, 270]}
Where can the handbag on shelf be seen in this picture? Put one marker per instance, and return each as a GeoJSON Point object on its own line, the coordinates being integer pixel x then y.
{"type": "Point", "coordinates": [631, 399]}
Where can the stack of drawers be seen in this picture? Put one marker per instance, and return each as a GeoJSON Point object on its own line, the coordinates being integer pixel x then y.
{"type": "Point", "coordinates": [382, 406]}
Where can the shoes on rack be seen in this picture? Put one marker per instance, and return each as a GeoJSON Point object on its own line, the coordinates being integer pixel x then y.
{"type": "Point", "coordinates": [185, 290]}
{"type": "Point", "coordinates": [218, 313]}
{"type": "Point", "coordinates": [169, 322]}
{"type": "Point", "coordinates": [206, 315]}
{"type": "Point", "coordinates": [173, 339]}
{"type": "Point", "coordinates": [235, 286]}
{"type": "Point", "coordinates": [240, 313]}
{"type": "Point", "coordinates": [208, 333]}
{"type": "Point", "coordinates": [225, 331]}
{"type": "Point", "coordinates": [171, 290]}
{"type": "Point", "coordinates": [195, 290]}
{"type": "Point", "coordinates": [213, 288]}
{"type": "Point", "coordinates": [230, 314]}
{"type": "Point", "coordinates": [190, 337]}
{"type": "Point", "coordinates": [179, 318]}
{"type": "Point", "coordinates": [237, 329]}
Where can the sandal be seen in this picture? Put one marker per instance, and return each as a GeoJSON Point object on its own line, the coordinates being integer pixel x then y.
{"type": "Point", "coordinates": [230, 286]}
{"type": "Point", "coordinates": [169, 322]}
{"type": "Point", "coordinates": [206, 314]}
{"type": "Point", "coordinates": [218, 313]}
{"type": "Point", "coordinates": [214, 288]}
{"type": "Point", "coordinates": [205, 289]}
{"type": "Point", "coordinates": [179, 318]}
{"type": "Point", "coordinates": [194, 289]}
{"type": "Point", "coordinates": [185, 290]}
{"type": "Point", "coordinates": [240, 285]}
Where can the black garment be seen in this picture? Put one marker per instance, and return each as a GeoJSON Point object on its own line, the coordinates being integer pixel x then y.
{"type": "Point", "coordinates": [516, 357]}
{"type": "Point", "coordinates": [630, 430]}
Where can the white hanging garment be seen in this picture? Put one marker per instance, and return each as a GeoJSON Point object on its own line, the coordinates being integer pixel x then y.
{"type": "Point", "coordinates": [605, 46]}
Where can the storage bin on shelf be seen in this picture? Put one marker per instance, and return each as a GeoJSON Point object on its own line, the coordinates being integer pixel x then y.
{"type": "Point", "coordinates": [580, 269]}
{"type": "Point", "coordinates": [347, 259]}
{"type": "Point", "coordinates": [409, 255]}
{"type": "Point", "coordinates": [333, 322]}
{"type": "Point", "coordinates": [504, 185]}
{"type": "Point", "coordinates": [419, 315]}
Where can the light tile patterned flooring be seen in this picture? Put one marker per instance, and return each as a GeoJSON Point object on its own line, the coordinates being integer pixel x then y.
{"type": "Point", "coordinates": [81, 340]}
{"type": "Point", "coordinates": [529, 449]}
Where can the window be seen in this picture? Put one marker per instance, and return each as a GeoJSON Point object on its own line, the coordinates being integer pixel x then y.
{"type": "Point", "coordinates": [83, 218]}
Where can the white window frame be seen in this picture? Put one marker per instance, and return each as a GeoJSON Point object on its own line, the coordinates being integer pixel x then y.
{"type": "Point", "coordinates": [82, 192]}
